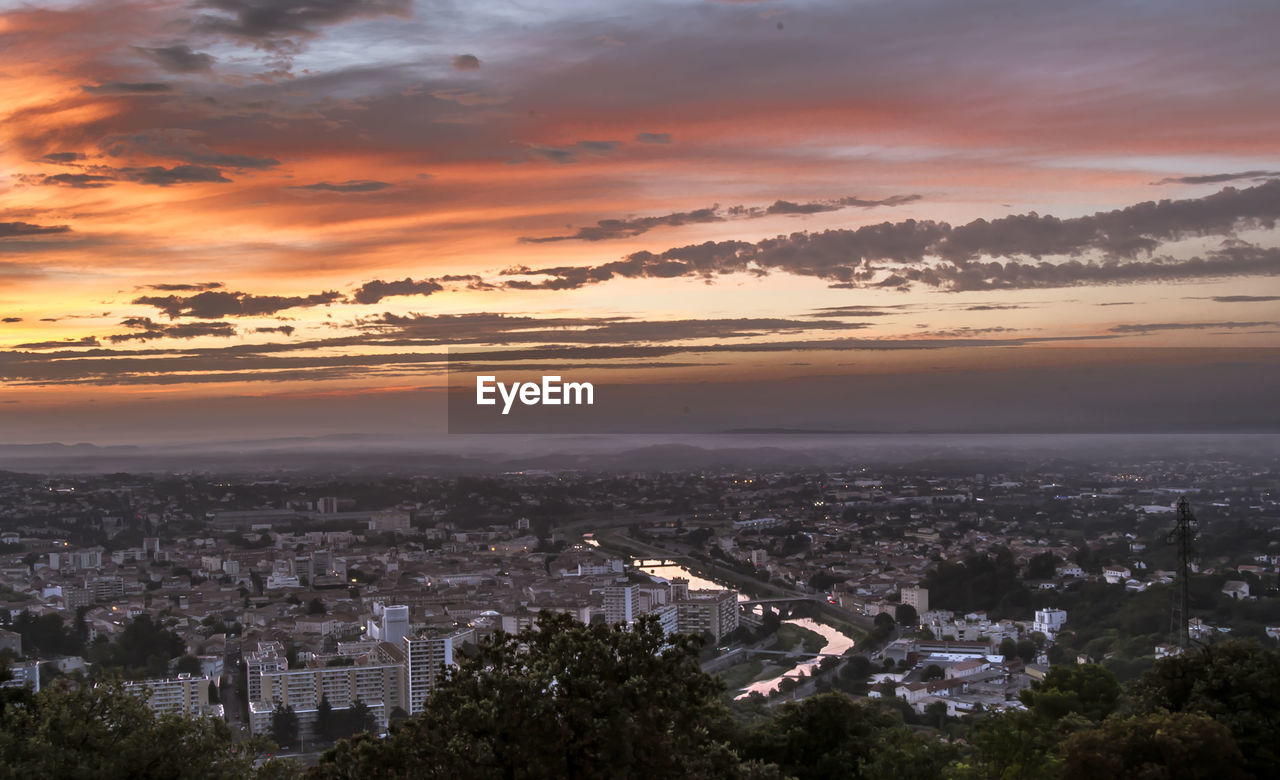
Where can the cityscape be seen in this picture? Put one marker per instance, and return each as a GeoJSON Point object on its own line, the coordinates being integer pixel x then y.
{"type": "Point", "coordinates": [345, 600]}
{"type": "Point", "coordinates": [710, 389]}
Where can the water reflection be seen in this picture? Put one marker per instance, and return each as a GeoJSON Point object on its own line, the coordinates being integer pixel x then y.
{"type": "Point", "coordinates": [836, 644]}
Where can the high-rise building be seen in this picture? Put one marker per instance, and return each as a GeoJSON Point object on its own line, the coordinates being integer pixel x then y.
{"type": "Point", "coordinates": [395, 623]}
{"type": "Point", "coordinates": [710, 612]}
{"type": "Point", "coordinates": [620, 605]}
{"type": "Point", "coordinates": [917, 597]}
{"type": "Point", "coordinates": [182, 695]}
{"type": "Point", "coordinates": [426, 661]}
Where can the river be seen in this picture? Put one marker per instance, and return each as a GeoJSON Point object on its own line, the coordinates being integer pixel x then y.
{"type": "Point", "coordinates": [836, 642]}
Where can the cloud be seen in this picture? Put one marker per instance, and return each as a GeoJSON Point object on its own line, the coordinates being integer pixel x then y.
{"type": "Point", "coordinates": [1218, 178]}
{"type": "Point", "coordinates": [126, 88]}
{"type": "Point", "coordinates": [376, 290]}
{"type": "Point", "coordinates": [1245, 298]}
{"type": "Point", "coordinates": [1157, 326]}
{"type": "Point", "coordinates": [466, 62]}
{"type": "Point", "coordinates": [608, 229]}
{"type": "Point", "coordinates": [894, 255]}
{"type": "Point", "coordinates": [160, 176]}
{"type": "Point", "coordinates": [263, 19]}
{"type": "Point", "coordinates": [11, 319]}
{"type": "Point", "coordinates": [63, 157]}
{"type": "Point", "coordinates": [287, 330]}
{"type": "Point", "coordinates": [148, 329]}
{"type": "Point", "coordinates": [10, 229]}
{"type": "Point", "coordinates": [192, 287]}
{"type": "Point", "coordinates": [81, 181]}
{"type": "Point", "coordinates": [87, 341]}
{"type": "Point", "coordinates": [180, 145]}
{"type": "Point", "coordinates": [565, 155]}
{"type": "Point", "coordinates": [179, 58]}
{"type": "Point", "coordinates": [653, 138]}
{"type": "Point", "coordinates": [355, 185]}
{"type": "Point", "coordinates": [215, 305]}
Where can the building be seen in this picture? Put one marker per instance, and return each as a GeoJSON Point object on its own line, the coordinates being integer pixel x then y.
{"type": "Point", "coordinates": [917, 597]}
{"type": "Point", "coordinates": [269, 657]}
{"type": "Point", "coordinates": [620, 606]}
{"type": "Point", "coordinates": [12, 641]}
{"type": "Point", "coordinates": [710, 612]}
{"type": "Point", "coordinates": [393, 627]}
{"type": "Point", "coordinates": [181, 695]}
{"type": "Point", "coordinates": [1049, 621]}
{"type": "Point", "coordinates": [27, 674]}
{"type": "Point", "coordinates": [390, 520]}
{"type": "Point", "coordinates": [426, 659]}
{"type": "Point", "coordinates": [1236, 589]}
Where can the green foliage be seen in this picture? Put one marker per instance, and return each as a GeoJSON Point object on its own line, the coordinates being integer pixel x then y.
{"type": "Point", "coordinates": [1236, 683]}
{"type": "Point", "coordinates": [46, 635]}
{"type": "Point", "coordinates": [1014, 745]}
{"type": "Point", "coordinates": [79, 731]}
{"type": "Point", "coordinates": [564, 700]}
{"type": "Point", "coordinates": [980, 582]}
{"type": "Point", "coordinates": [1156, 747]}
{"type": "Point", "coordinates": [284, 727]}
{"type": "Point", "coordinates": [189, 664]}
{"type": "Point", "coordinates": [1088, 690]}
{"type": "Point", "coordinates": [830, 737]}
{"type": "Point", "coordinates": [143, 649]}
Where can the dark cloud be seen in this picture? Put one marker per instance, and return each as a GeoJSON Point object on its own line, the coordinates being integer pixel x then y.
{"type": "Point", "coordinates": [63, 157]}
{"type": "Point", "coordinates": [653, 138]}
{"type": "Point", "coordinates": [287, 330]}
{"type": "Point", "coordinates": [854, 311]}
{"type": "Point", "coordinates": [179, 58]}
{"type": "Point", "coordinates": [263, 19]}
{"type": "Point", "coordinates": [565, 155]}
{"type": "Point", "coordinates": [179, 174]}
{"type": "Point", "coordinates": [148, 329]}
{"type": "Point", "coordinates": [179, 145]}
{"type": "Point", "coordinates": [607, 229]}
{"type": "Point", "coordinates": [11, 319]}
{"type": "Point", "coordinates": [1219, 178]}
{"type": "Point", "coordinates": [9, 229]}
{"type": "Point", "coordinates": [87, 341]}
{"type": "Point", "coordinates": [355, 185]}
{"type": "Point", "coordinates": [80, 181]}
{"type": "Point", "coordinates": [126, 88]}
{"type": "Point", "coordinates": [1115, 303]}
{"type": "Point", "coordinates": [376, 290]}
{"type": "Point", "coordinates": [466, 62]}
{"type": "Point", "coordinates": [994, 307]}
{"type": "Point", "coordinates": [192, 287]}
{"type": "Point", "coordinates": [215, 305]}
{"type": "Point", "coordinates": [1245, 298]}
{"type": "Point", "coordinates": [1158, 326]}
{"type": "Point", "coordinates": [893, 255]}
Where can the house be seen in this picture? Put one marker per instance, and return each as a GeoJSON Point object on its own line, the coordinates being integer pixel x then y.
{"type": "Point", "coordinates": [1236, 589]}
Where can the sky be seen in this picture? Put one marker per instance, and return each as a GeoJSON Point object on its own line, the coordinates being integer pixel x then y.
{"type": "Point", "coordinates": [231, 218]}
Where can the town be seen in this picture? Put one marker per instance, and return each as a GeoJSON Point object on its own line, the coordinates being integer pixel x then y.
{"type": "Point", "coordinates": [307, 607]}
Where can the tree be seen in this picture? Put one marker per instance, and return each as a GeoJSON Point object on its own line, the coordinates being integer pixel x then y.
{"type": "Point", "coordinates": [79, 731]}
{"type": "Point", "coordinates": [1236, 683]}
{"type": "Point", "coordinates": [1089, 690]}
{"type": "Point", "coordinates": [932, 672]}
{"type": "Point", "coordinates": [189, 664]}
{"type": "Point", "coordinates": [884, 622]}
{"type": "Point", "coordinates": [1013, 745]}
{"type": "Point", "coordinates": [830, 736]}
{"type": "Point", "coordinates": [907, 616]}
{"type": "Point", "coordinates": [1008, 648]}
{"type": "Point", "coordinates": [325, 728]}
{"type": "Point", "coordinates": [284, 727]}
{"type": "Point", "coordinates": [1178, 745]}
{"type": "Point", "coordinates": [606, 702]}
{"type": "Point", "coordinates": [316, 607]}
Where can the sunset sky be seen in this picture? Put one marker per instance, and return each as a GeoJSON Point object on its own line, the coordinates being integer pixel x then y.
{"type": "Point", "coordinates": [279, 217]}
